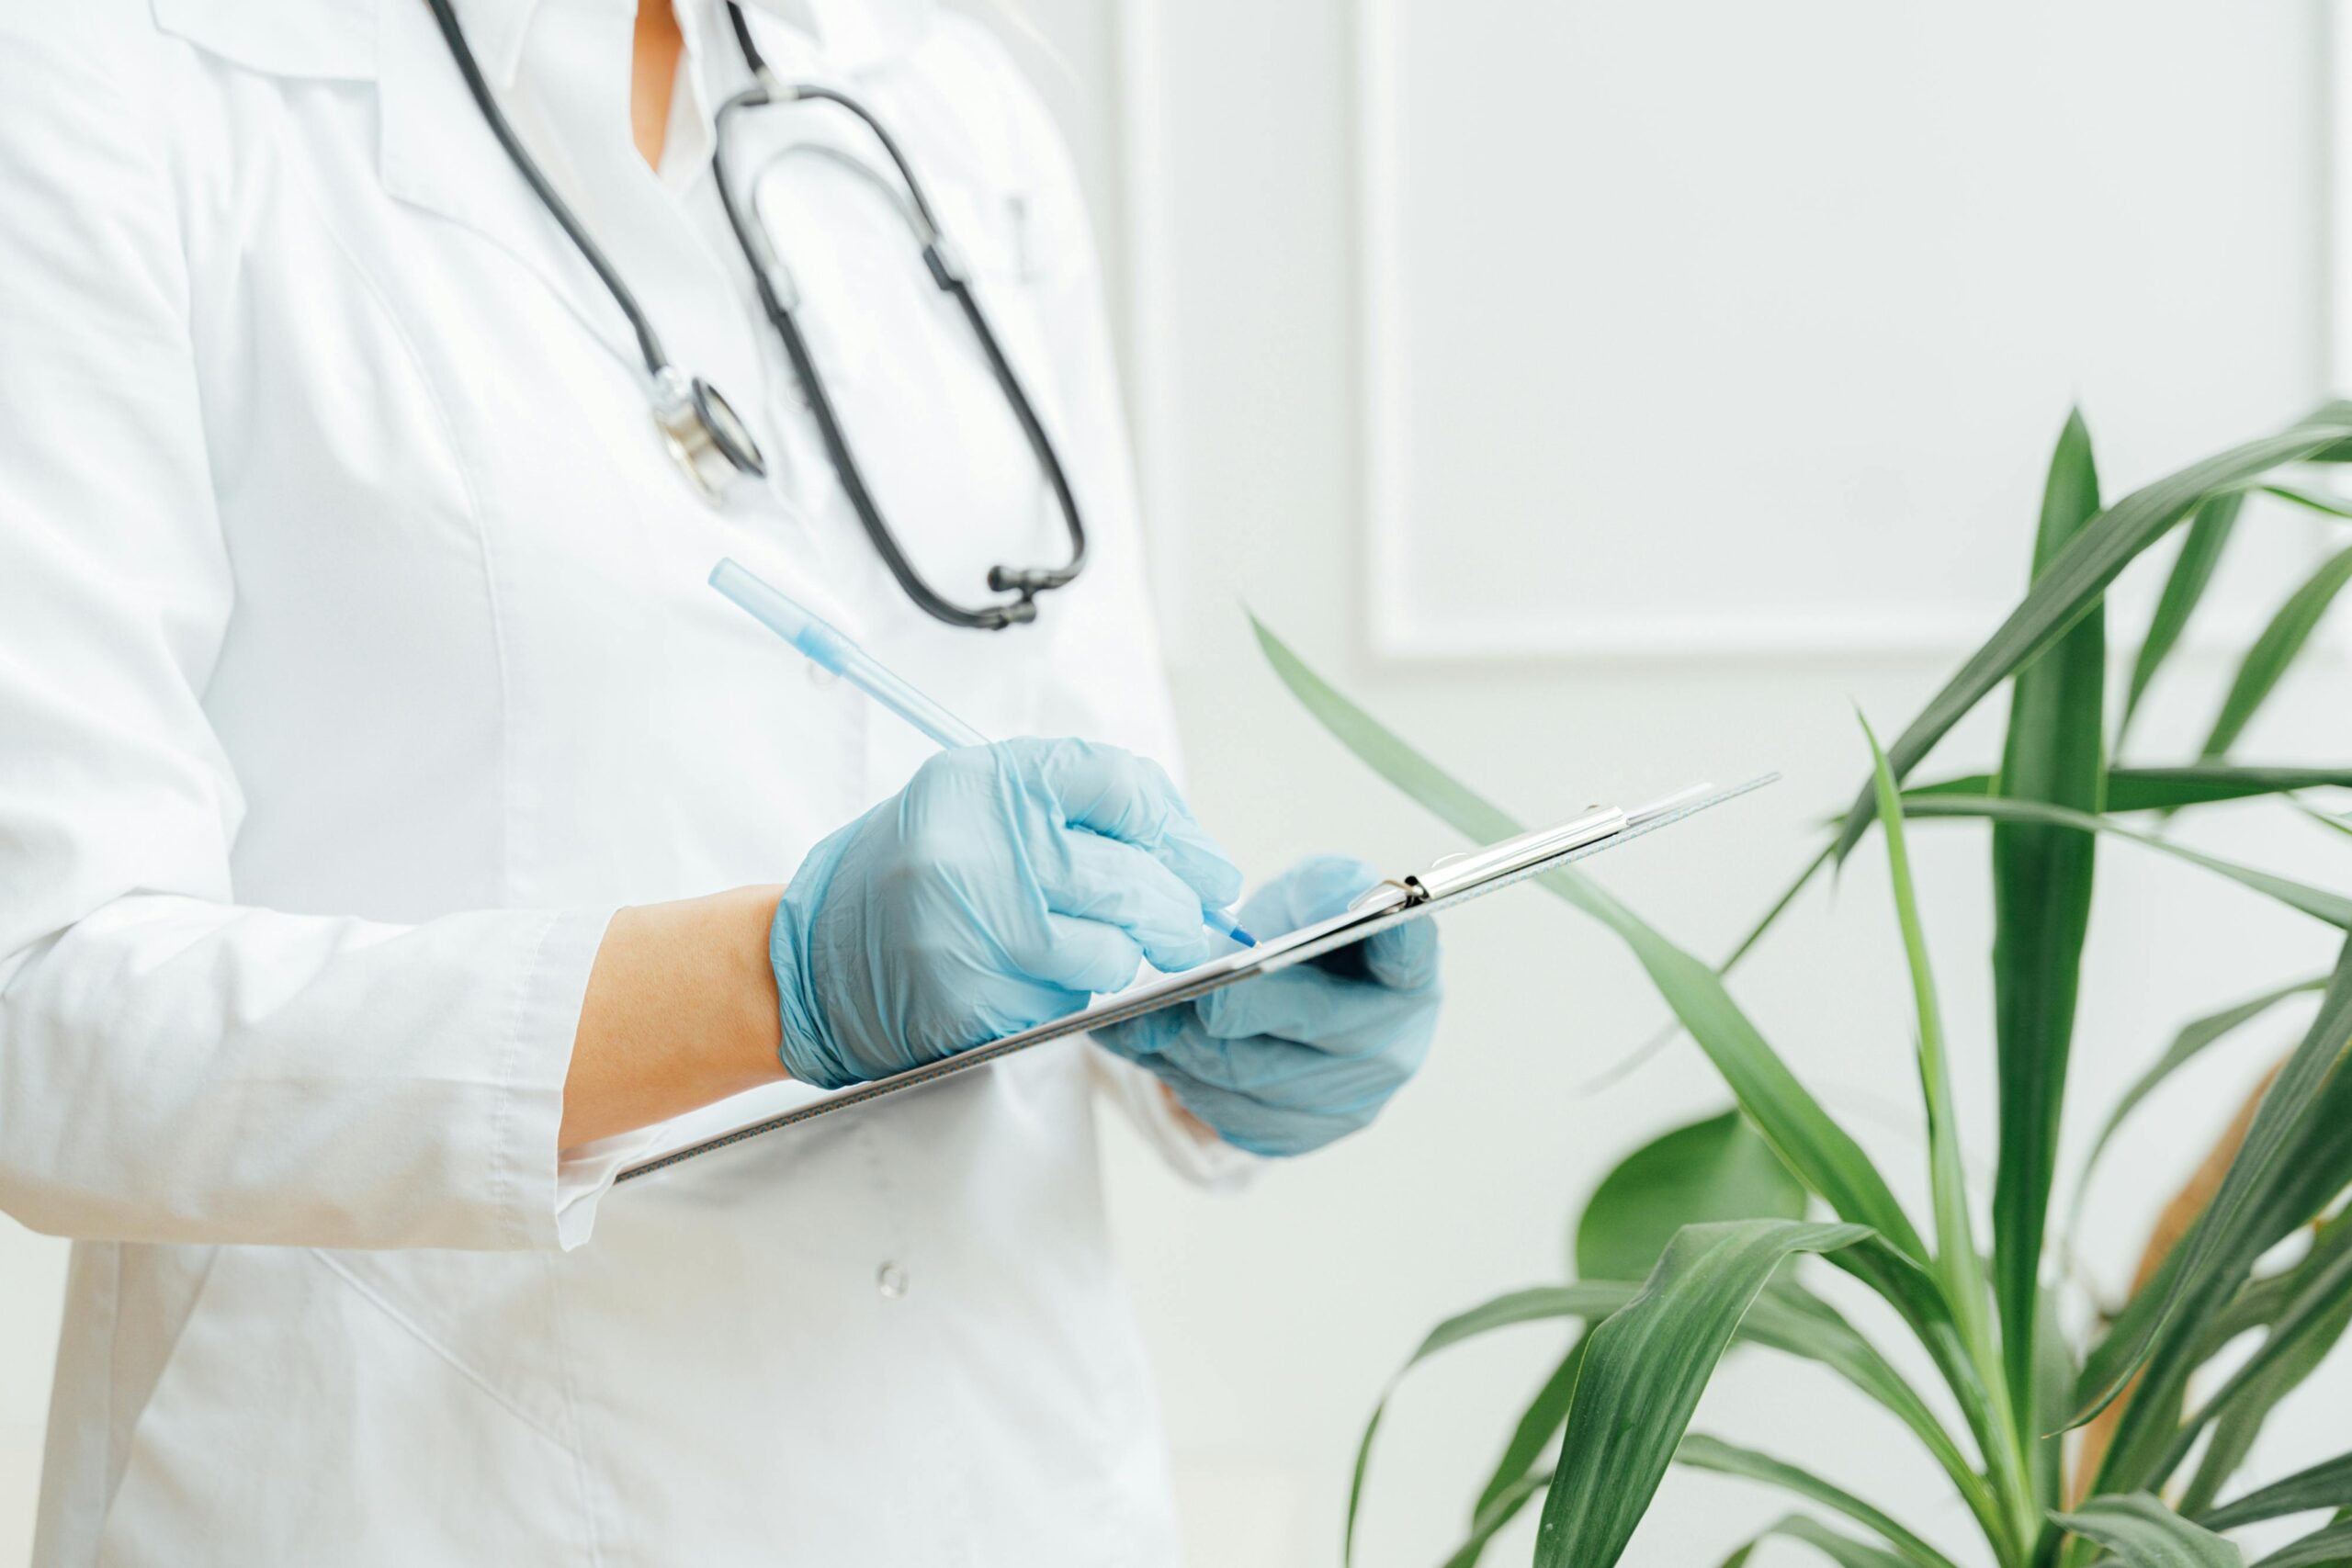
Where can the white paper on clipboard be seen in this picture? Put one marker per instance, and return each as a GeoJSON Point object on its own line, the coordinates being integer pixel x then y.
{"type": "Point", "coordinates": [1455, 879]}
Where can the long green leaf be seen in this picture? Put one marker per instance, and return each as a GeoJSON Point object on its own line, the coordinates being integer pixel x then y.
{"type": "Point", "coordinates": [1668, 1034]}
{"type": "Point", "coordinates": [1702, 1452]}
{"type": "Point", "coordinates": [2193, 1040]}
{"type": "Point", "coordinates": [2053, 1385]}
{"type": "Point", "coordinates": [1811, 1145]}
{"type": "Point", "coordinates": [2333, 824]}
{"type": "Point", "coordinates": [2267, 662]}
{"type": "Point", "coordinates": [2314, 1319]}
{"type": "Point", "coordinates": [1712, 1169]}
{"type": "Point", "coordinates": [2168, 789]}
{"type": "Point", "coordinates": [2200, 551]}
{"type": "Point", "coordinates": [2327, 1484]}
{"type": "Point", "coordinates": [2265, 1300]}
{"type": "Point", "coordinates": [2042, 902]}
{"type": "Point", "coordinates": [2143, 1533]}
{"type": "Point", "coordinates": [1738, 1559]}
{"type": "Point", "coordinates": [1788, 1318]}
{"type": "Point", "coordinates": [1808, 1141]}
{"type": "Point", "coordinates": [2312, 1175]}
{"type": "Point", "coordinates": [1494, 1514]}
{"type": "Point", "coordinates": [2080, 575]}
{"type": "Point", "coordinates": [1957, 1265]}
{"type": "Point", "coordinates": [1779, 908]}
{"type": "Point", "coordinates": [1843, 1550]}
{"type": "Point", "coordinates": [1585, 1300]}
{"type": "Point", "coordinates": [2305, 1180]}
{"type": "Point", "coordinates": [2317, 902]}
{"type": "Point", "coordinates": [1643, 1372]}
{"type": "Point", "coordinates": [2237, 1425]}
{"type": "Point", "coordinates": [1537, 1426]}
{"type": "Point", "coordinates": [1791, 1319]}
{"type": "Point", "coordinates": [2317, 500]}
{"type": "Point", "coordinates": [1515, 1477]}
{"type": "Point", "coordinates": [1452, 801]}
{"type": "Point", "coordinates": [2203, 1257]}
{"type": "Point", "coordinates": [2329, 1547]}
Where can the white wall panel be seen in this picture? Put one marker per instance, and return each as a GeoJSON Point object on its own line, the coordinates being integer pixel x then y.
{"type": "Point", "coordinates": [32, 1283]}
{"type": "Point", "coordinates": [1709, 326]}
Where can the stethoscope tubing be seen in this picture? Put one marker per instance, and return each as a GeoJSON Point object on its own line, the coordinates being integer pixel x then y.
{"type": "Point", "coordinates": [775, 294]}
{"type": "Point", "coordinates": [703, 442]}
{"type": "Point", "coordinates": [648, 342]}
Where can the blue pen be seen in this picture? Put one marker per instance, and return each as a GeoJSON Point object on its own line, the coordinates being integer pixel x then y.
{"type": "Point", "coordinates": [825, 647]}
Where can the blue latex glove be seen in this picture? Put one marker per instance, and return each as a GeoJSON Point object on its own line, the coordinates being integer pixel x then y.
{"type": "Point", "coordinates": [1288, 1062]}
{"type": "Point", "coordinates": [1000, 890]}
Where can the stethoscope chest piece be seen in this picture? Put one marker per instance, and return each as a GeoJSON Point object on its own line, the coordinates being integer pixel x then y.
{"type": "Point", "coordinates": [703, 432]}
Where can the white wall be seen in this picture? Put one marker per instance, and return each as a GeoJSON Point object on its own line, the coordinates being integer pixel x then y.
{"type": "Point", "coordinates": [1713, 353]}
{"type": "Point", "coordinates": [32, 1282]}
{"type": "Point", "coordinates": [1710, 357]}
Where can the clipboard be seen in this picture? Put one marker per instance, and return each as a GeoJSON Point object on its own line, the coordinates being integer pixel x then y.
{"type": "Point", "coordinates": [1453, 880]}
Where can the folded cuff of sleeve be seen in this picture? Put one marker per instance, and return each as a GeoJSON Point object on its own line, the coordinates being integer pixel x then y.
{"type": "Point", "coordinates": [547, 1201]}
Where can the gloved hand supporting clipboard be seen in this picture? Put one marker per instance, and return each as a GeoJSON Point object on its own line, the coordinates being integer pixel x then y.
{"type": "Point", "coordinates": [1454, 879]}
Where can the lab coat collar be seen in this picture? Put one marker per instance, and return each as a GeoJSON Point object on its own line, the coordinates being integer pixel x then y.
{"type": "Point", "coordinates": [433, 151]}
{"type": "Point", "coordinates": [854, 35]}
{"type": "Point", "coordinates": [339, 38]}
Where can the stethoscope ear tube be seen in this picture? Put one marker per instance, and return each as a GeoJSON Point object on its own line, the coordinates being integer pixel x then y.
{"type": "Point", "coordinates": [779, 300]}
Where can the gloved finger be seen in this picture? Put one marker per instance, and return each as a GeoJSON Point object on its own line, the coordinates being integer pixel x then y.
{"type": "Point", "coordinates": [1314, 889]}
{"type": "Point", "coordinates": [1040, 1002]}
{"type": "Point", "coordinates": [1089, 877]}
{"type": "Point", "coordinates": [1279, 1077]}
{"type": "Point", "coordinates": [1244, 1123]}
{"type": "Point", "coordinates": [1086, 955]}
{"type": "Point", "coordinates": [1314, 1006]}
{"type": "Point", "coordinates": [1403, 957]}
{"type": "Point", "coordinates": [1121, 795]}
{"type": "Point", "coordinates": [1139, 1039]}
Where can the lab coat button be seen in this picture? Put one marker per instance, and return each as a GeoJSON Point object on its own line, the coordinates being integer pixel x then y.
{"type": "Point", "coordinates": [891, 1281]}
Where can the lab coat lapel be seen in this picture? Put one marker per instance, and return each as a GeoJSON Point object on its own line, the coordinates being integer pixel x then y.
{"type": "Point", "coordinates": [439, 153]}
{"type": "Point", "coordinates": [857, 35]}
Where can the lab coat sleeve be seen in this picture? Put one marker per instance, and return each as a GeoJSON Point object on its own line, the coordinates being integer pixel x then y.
{"type": "Point", "coordinates": [1112, 679]}
{"type": "Point", "coordinates": [173, 1066]}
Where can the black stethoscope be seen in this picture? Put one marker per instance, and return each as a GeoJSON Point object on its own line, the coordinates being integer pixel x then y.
{"type": "Point", "coordinates": [703, 434]}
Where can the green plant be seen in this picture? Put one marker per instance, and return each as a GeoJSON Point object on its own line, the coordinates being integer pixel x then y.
{"type": "Point", "coordinates": [1684, 1248]}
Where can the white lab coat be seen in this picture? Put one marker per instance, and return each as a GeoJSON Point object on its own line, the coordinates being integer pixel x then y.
{"type": "Point", "coordinates": [355, 663]}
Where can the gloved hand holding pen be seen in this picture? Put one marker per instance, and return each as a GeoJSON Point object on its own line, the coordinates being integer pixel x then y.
{"type": "Point", "coordinates": [1005, 885]}
{"type": "Point", "coordinates": [1010, 881]}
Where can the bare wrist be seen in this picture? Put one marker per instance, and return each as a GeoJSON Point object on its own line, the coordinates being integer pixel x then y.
{"type": "Point", "coordinates": [681, 1011]}
{"type": "Point", "coordinates": [758, 1030]}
